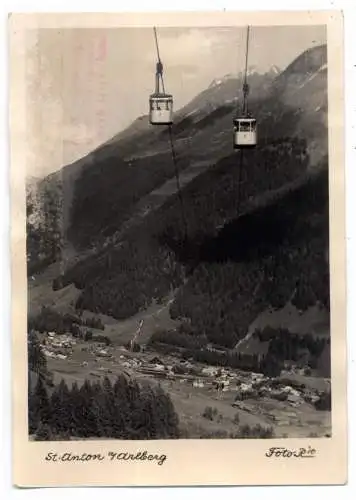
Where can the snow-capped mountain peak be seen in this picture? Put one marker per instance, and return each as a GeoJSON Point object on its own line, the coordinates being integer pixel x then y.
{"type": "Point", "coordinates": [275, 69]}
{"type": "Point", "coordinates": [218, 81]}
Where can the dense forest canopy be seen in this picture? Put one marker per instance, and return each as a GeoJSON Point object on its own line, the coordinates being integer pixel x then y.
{"type": "Point", "coordinates": [119, 410]}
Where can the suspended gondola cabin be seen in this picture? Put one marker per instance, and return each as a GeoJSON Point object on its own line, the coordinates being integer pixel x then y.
{"type": "Point", "coordinates": [245, 133]}
{"type": "Point", "coordinates": [245, 127]}
{"type": "Point", "coordinates": [161, 104]}
{"type": "Point", "coordinates": [161, 109]}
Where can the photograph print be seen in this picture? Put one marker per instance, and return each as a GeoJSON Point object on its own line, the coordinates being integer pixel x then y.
{"type": "Point", "coordinates": [177, 220]}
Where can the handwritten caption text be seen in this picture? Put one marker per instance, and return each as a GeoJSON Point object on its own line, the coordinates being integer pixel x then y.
{"type": "Point", "coordinates": [281, 452]}
{"type": "Point", "coordinates": [111, 456]}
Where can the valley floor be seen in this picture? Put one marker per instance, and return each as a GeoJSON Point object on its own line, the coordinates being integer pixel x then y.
{"type": "Point", "coordinates": [193, 394]}
{"type": "Point", "coordinates": [204, 409]}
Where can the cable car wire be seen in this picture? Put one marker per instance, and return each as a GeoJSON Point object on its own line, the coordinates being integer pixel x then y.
{"type": "Point", "coordinates": [179, 191]}
{"type": "Point", "coordinates": [156, 40]}
{"type": "Point", "coordinates": [173, 152]}
{"type": "Point", "coordinates": [239, 172]}
{"type": "Point", "coordinates": [246, 59]}
{"type": "Point", "coordinates": [245, 89]}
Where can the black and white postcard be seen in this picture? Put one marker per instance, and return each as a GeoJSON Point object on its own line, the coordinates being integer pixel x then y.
{"type": "Point", "coordinates": [178, 248]}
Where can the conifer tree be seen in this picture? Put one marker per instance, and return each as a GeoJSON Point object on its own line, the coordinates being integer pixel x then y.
{"type": "Point", "coordinates": [133, 392]}
{"type": "Point", "coordinates": [60, 406]}
{"type": "Point", "coordinates": [44, 433]}
{"type": "Point", "coordinates": [141, 416]}
{"type": "Point", "coordinates": [39, 406]}
{"type": "Point", "coordinates": [109, 407]}
{"type": "Point", "coordinates": [87, 424]}
{"type": "Point", "coordinates": [167, 418]}
{"type": "Point", "coordinates": [153, 421]}
{"type": "Point", "coordinates": [74, 410]}
{"type": "Point", "coordinates": [99, 410]}
{"type": "Point", "coordinates": [121, 407]}
{"type": "Point", "coordinates": [32, 409]}
{"type": "Point", "coordinates": [36, 359]}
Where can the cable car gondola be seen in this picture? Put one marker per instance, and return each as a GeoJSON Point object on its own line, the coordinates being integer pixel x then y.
{"type": "Point", "coordinates": [160, 103]}
{"type": "Point", "coordinates": [245, 126]}
{"type": "Point", "coordinates": [245, 133]}
{"type": "Point", "coordinates": [161, 109]}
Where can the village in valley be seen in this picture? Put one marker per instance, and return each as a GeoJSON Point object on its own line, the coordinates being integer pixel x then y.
{"type": "Point", "coordinates": [210, 400]}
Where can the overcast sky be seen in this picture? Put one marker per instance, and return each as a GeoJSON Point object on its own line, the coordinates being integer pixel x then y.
{"type": "Point", "coordinates": [85, 85]}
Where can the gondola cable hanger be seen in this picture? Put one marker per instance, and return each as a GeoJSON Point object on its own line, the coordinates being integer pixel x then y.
{"type": "Point", "coordinates": [245, 88]}
{"type": "Point", "coordinates": [159, 66]}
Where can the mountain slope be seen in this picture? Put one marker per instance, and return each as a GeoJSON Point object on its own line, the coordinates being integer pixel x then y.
{"type": "Point", "coordinates": [263, 259]}
{"type": "Point", "coordinates": [152, 259]}
{"type": "Point", "coordinates": [116, 176]}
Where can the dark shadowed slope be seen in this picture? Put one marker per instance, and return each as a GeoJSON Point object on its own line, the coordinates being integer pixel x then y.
{"type": "Point", "coordinates": [263, 259]}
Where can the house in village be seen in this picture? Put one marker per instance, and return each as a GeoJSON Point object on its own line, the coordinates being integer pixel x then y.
{"type": "Point", "coordinates": [216, 348]}
{"type": "Point", "coordinates": [210, 371]}
{"type": "Point", "coordinates": [156, 361]}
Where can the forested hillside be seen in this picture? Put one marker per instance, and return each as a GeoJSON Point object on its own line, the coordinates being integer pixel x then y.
{"type": "Point", "coordinates": [257, 225]}
{"type": "Point", "coordinates": [154, 258]}
{"type": "Point", "coordinates": [263, 259]}
{"type": "Point", "coordinates": [105, 196]}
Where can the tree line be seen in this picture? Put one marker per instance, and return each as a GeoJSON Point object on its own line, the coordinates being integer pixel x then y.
{"type": "Point", "coordinates": [50, 320]}
{"type": "Point", "coordinates": [119, 410]}
{"type": "Point", "coordinates": [288, 346]}
{"type": "Point", "coordinates": [268, 364]}
{"type": "Point", "coordinates": [282, 345]}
